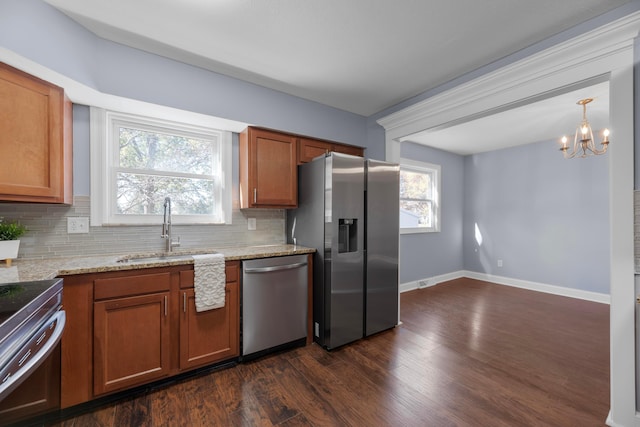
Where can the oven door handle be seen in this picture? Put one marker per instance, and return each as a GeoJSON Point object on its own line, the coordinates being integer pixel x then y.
{"type": "Point", "coordinates": [31, 362]}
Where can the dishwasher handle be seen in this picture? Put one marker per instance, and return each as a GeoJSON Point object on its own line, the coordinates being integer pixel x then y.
{"type": "Point", "coordinates": [275, 268]}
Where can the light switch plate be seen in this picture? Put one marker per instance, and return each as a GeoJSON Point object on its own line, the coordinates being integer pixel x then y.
{"type": "Point", "coordinates": [251, 224]}
{"type": "Point", "coordinates": [77, 225]}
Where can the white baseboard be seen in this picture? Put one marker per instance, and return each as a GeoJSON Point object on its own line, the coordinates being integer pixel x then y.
{"type": "Point", "coordinates": [507, 281]}
{"type": "Point", "coordinates": [431, 281]}
{"type": "Point", "coordinates": [540, 287]}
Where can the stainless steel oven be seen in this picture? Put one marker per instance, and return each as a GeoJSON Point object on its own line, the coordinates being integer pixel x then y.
{"type": "Point", "coordinates": [31, 326]}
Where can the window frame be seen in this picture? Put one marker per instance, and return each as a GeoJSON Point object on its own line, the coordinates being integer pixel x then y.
{"type": "Point", "coordinates": [424, 168]}
{"type": "Point", "coordinates": [105, 164]}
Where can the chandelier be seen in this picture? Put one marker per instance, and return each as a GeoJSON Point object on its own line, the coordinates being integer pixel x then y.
{"type": "Point", "coordinates": [583, 144]}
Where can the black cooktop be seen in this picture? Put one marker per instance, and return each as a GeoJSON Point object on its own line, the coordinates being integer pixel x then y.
{"type": "Point", "coordinates": [24, 306]}
{"type": "Point", "coordinates": [16, 296]}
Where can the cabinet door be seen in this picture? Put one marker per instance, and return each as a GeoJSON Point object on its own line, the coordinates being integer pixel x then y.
{"type": "Point", "coordinates": [214, 335]}
{"type": "Point", "coordinates": [349, 149]}
{"type": "Point", "coordinates": [131, 341]}
{"type": "Point", "coordinates": [268, 169]}
{"type": "Point", "coordinates": [209, 336]}
{"type": "Point", "coordinates": [35, 140]}
{"type": "Point", "coordinates": [309, 149]}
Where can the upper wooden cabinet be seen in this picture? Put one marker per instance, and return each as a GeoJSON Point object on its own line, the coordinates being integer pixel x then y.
{"type": "Point", "coordinates": [35, 140]}
{"type": "Point", "coordinates": [309, 149]}
{"type": "Point", "coordinates": [268, 169]}
{"type": "Point", "coordinates": [268, 165]}
{"type": "Point", "coordinates": [349, 149]}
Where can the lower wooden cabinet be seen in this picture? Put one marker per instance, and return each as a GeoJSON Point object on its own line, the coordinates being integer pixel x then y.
{"type": "Point", "coordinates": [131, 341]}
{"type": "Point", "coordinates": [135, 327]}
{"type": "Point", "coordinates": [209, 336]}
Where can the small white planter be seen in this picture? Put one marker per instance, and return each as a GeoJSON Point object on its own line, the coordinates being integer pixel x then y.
{"type": "Point", "coordinates": [9, 250]}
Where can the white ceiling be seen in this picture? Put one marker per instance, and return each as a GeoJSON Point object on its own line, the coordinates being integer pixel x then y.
{"type": "Point", "coordinates": [544, 120]}
{"type": "Point", "coordinates": [360, 56]}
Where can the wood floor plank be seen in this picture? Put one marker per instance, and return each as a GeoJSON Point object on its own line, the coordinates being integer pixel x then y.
{"type": "Point", "coordinates": [306, 395]}
{"type": "Point", "coordinates": [468, 353]}
{"type": "Point", "coordinates": [167, 402]}
{"type": "Point", "coordinates": [268, 393]}
{"type": "Point", "coordinates": [332, 390]}
{"type": "Point", "coordinates": [134, 412]}
{"type": "Point", "coordinates": [204, 402]}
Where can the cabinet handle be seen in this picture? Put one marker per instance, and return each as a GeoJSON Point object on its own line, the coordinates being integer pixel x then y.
{"type": "Point", "coordinates": [184, 302]}
{"type": "Point", "coordinates": [255, 195]}
{"type": "Point", "coordinates": [165, 306]}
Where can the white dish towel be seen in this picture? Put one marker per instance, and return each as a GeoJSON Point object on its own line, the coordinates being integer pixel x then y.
{"type": "Point", "coordinates": [209, 281]}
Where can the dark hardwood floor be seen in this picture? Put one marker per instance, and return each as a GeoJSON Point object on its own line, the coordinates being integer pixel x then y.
{"type": "Point", "coordinates": [468, 353]}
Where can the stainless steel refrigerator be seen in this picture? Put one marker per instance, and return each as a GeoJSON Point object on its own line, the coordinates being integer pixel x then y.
{"type": "Point", "coordinates": [348, 210]}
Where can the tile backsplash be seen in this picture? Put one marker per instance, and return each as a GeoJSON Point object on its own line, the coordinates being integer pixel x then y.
{"type": "Point", "coordinates": [47, 235]}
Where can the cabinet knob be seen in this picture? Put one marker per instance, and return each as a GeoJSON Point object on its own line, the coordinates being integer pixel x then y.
{"type": "Point", "coordinates": [255, 195]}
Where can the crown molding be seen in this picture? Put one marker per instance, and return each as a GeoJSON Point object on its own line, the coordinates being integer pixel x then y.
{"type": "Point", "coordinates": [594, 53]}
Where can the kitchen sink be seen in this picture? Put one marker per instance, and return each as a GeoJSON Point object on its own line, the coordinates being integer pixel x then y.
{"type": "Point", "coordinates": [158, 258]}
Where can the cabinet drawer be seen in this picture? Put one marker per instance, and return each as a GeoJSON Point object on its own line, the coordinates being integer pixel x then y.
{"type": "Point", "coordinates": [230, 272]}
{"type": "Point", "coordinates": [131, 285]}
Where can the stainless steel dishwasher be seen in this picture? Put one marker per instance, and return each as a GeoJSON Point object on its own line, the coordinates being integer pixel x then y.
{"type": "Point", "coordinates": [274, 303]}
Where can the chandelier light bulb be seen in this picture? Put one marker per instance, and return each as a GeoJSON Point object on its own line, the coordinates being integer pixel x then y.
{"type": "Point", "coordinates": [584, 130]}
{"type": "Point", "coordinates": [605, 133]}
{"type": "Point", "coordinates": [564, 142]}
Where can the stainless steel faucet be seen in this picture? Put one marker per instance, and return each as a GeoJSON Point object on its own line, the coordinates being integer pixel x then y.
{"type": "Point", "coordinates": [166, 227]}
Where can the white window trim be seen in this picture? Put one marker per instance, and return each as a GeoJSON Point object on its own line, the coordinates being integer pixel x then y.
{"type": "Point", "coordinates": [102, 156]}
{"type": "Point", "coordinates": [409, 164]}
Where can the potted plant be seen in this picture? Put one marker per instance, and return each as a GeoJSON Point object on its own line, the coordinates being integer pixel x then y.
{"type": "Point", "coordinates": [10, 233]}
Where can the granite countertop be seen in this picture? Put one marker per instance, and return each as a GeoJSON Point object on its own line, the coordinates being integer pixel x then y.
{"type": "Point", "coordinates": [23, 270]}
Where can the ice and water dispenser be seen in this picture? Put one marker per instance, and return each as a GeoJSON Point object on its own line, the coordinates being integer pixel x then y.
{"type": "Point", "coordinates": [347, 235]}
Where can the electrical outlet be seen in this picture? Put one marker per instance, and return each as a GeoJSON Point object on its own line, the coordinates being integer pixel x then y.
{"type": "Point", "coordinates": [251, 224]}
{"type": "Point", "coordinates": [499, 263]}
{"type": "Point", "coordinates": [77, 225]}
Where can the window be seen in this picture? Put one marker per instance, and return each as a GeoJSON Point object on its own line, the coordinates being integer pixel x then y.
{"type": "Point", "coordinates": [138, 161]}
{"type": "Point", "coordinates": [419, 197]}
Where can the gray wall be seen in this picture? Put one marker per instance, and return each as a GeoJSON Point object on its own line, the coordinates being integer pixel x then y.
{"type": "Point", "coordinates": [424, 255]}
{"type": "Point", "coordinates": [39, 32]}
{"type": "Point", "coordinates": [547, 218]}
